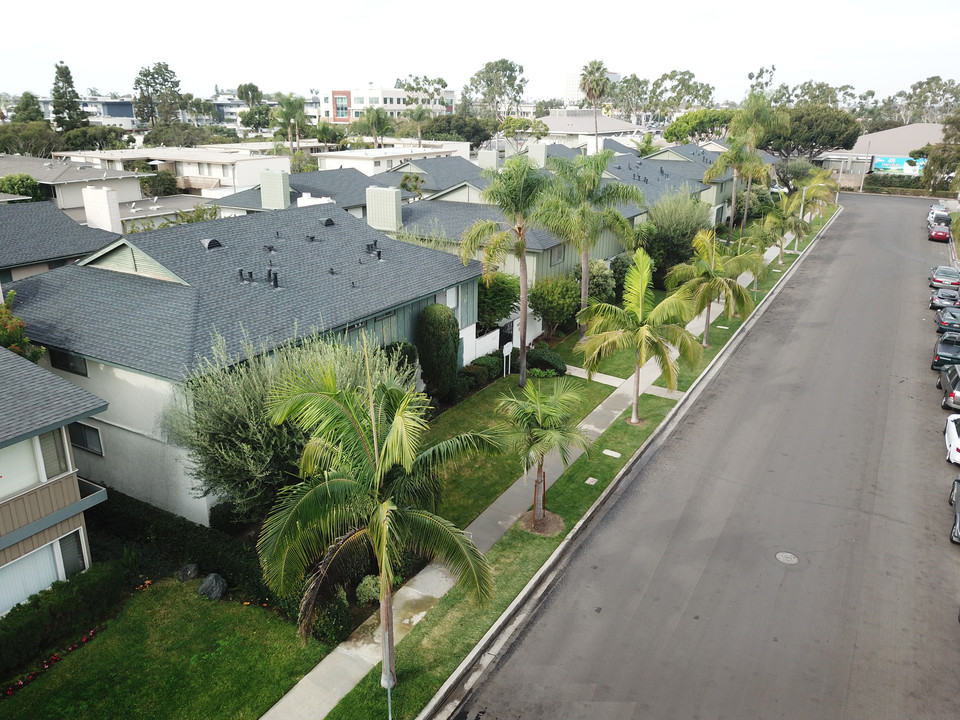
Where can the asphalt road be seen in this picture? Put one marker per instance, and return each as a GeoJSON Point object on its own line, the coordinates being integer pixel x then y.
{"type": "Point", "coordinates": [821, 437]}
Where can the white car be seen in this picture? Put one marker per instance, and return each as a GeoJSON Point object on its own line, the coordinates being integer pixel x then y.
{"type": "Point", "coordinates": [951, 436]}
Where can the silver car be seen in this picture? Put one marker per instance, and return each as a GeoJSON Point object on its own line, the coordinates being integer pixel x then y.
{"type": "Point", "coordinates": [944, 276]}
{"type": "Point", "coordinates": [954, 497]}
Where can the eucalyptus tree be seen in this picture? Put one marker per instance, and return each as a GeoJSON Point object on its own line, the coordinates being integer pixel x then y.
{"type": "Point", "coordinates": [516, 189]}
{"type": "Point", "coordinates": [596, 85]}
{"type": "Point", "coordinates": [650, 330]}
{"type": "Point", "coordinates": [369, 489]}
{"type": "Point", "coordinates": [713, 272]}
{"type": "Point", "coordinates": [538, 423]}
{"type": "Point", "coordinates": [580, 206]}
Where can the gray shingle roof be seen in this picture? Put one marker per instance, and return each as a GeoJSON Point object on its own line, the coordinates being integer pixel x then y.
{"type": "Point", "coordinates": [347, 187]}
{"type": "Point", "coordinates": [442, 173]}
{"type": "Point", "coordinates": [450, 218]}
{"type": "Point", "coordinates": [657, 179]}
{"type": "Point", "coordinates": [43, 400]}
{"type": "Point", "coordinates": [40, 231]}
{"type": "Point", "coordinates": [619, 148]}
{"type": "Point", "coordinates": [161, 327]}
{"type": "Point", "coordinates": [54, 172]}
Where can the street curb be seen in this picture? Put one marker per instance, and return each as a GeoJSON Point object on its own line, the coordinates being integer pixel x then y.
{"type": "Point", "coordinates": [437, 708]}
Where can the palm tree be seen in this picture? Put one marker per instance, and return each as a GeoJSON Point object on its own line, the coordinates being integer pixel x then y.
{"type": "Point", "coordinates": [817, 189]}
{"type": "Point", "coordinates": [290, 116]}
{"type": "Point", "coordinates": [419, 115]}
{"type": "Point", "coordinates": [328, 134]}
{"type": "Point", "coordinates": [733, 158]}
{"type": "Point", "coordinates": [595, 85]}
{"type": "Point", "coordinates": [651, 331]}
{"type": "Point", "coordinates": [368, 488]}
{"type": "Point", "coordinates": [712, 273]}
{"type": "Point", "coordinates": [377, 123]}
{"type": "Point", "coordinates": [538, 423]}
{"type": "Point", "coordinates": [786, 218]}
{"type": "Point", "coordinates": [412, 182]}
{"type": "Point", "coordinates": [578, 207]}
{"type": "Point", "coordinates": [754, 168]}
{"type": "Point", "coordinates": [516, 189]}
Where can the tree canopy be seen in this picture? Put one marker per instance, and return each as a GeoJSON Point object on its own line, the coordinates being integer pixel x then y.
{"type": "Point", "coordinates": [698, 126]}
{"type": "Point", "coordinates": [498, 88]}
{"type": "Point", "coordinates": [157, 94]}
{"type": "Point", "coordinates": [67, 114]}
{"type": "Point", "coordinates": [35, 138]}
{"type": "Point", "coordinates": [28, 109]}
{"type": "Point", "coordinates": [814, 129]}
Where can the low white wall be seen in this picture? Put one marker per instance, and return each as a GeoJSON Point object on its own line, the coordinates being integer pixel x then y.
{"type": "Point", "coordinates": [488, 343]}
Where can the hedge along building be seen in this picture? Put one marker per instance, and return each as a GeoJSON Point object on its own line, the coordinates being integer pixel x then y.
{"type": "Point", "coordinates": [129, 321]}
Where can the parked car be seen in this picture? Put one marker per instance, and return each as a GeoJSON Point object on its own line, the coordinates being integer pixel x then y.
{"type": "Point", "coordinates": [954, 496]}
{"type": "Point", "coordinates": [949, 382]}
{"type": "Point", "coordinates": [951, 436]}
{"type": "Point", "coordinates": [938, 218]}
{"type": "Point", "coordinates": [940, 233]}
{"type": "Point", "coordinates": [944, 276]}
{"type": "Point", "coordinates": [948, 319]}
{"type": "Point", "coordinates": [946, 351]}
{"type": "Point", "coordinates": [937, 207]}
{"type": "Point", "coordinates": [944, 297]}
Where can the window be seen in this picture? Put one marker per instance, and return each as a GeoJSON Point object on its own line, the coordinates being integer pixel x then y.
{"type": "Point", "coordinates": [66, 361]}
{"type": "Point", "coordinates": [358, 101]}
{"type": "Point", "coordinates": [86, 438]}
{"type": "Point", "coordinates": [342, 110]}
{"type": "Point", "coordinates": [556, 255]}
{"type": "Point", "coordinates": [6, 276]}
{"type": "Point", "coordinates": [326, 100]}
{"type": "Point", "coordinates": [326, 113]}
{"type": "Point", "coordinates": [54, 453]}
{"type": "Point", "coordinates": [356, 113]}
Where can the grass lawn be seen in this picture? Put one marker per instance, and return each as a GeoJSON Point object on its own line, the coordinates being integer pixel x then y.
{"type": "Point", "coordinates": [172, 653]}
{"type": "Point", "coordinates": [620, 364]}
{"type": "Point", "coordinates": [434, 648]}
{"type": "Point", "coordinates": [469, 489]}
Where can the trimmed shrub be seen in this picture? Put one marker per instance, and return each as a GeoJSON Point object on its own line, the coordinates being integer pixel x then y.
{"type": "Point", "coordinates": [478, 375]}
{"type": "Point", "coordinates": [496, 301]}
{"type": "Point", "coordinates": [538, 373]}
{"type": "Point", "coordinates": [493, 364]}
{"type": "Point", "coordinates": [438, 344]}
{"type": "Point", "coordinates": [619, 266]}
{"type": "Point", "coordinates": [546, 360]}
{"type": "Point", "coordinates": [368, 591]}
{"type": "Point", "coordinates": [333, 623]}
{"type": "Point", "coordinates": [60, 614]}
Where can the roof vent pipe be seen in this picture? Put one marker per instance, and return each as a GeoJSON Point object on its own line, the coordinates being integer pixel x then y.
{"type": "Point", "coordinates": [276, 283]}
{"type": "Point", "coordinates": [269, 274]}
{"type": "Point", "coordinates": [240, 270]}
{"type": "Point", "coordinates": [250, 275]}
{"type": "Point", "coordinates": [379, 259]}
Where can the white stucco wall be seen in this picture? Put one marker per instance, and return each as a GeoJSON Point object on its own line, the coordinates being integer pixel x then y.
{"type": "Point", "coordinates": [248, 170]}
{"type": "Point", "coordinates": [137, 459]}
{"type": "Point", "coordinates": [70, 195]}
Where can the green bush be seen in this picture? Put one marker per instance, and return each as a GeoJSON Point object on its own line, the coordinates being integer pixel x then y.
{"type": "Point", "coordinates": [478, 375]}
{"type": "Point", "coordinates": [546, 360]}
{"type": "Point", "coordinates": [602, 283]}
{"type": "Point", "coordinates": [493, 364]}
{"type": "Point", "coordinates": [407, 353]}
{"type": "Point", "coordinates": [223, 518]}
{"type": "Point", "coordinates": [438, 344]}
{"type": "Point", "coordinates": [164, 542]}
{"type": "Point", "coordinates": [333, 623]}
{"type": "Point", "coordinates": [58, 615]}
{"type": "Point", "coordinates": [555, 300]}
{"type": "Point", "coordinates": [538, 373]}
{"type": "Point", "coordinates": [368, 591]}
{"type": "Point", "coordinates": [619, 266]}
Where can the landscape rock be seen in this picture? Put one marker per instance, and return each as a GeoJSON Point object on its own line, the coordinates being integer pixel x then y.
{"type": "Point", "coordinates": [213, 586]}
{"type": "Point", "coordinates": [188, 572]}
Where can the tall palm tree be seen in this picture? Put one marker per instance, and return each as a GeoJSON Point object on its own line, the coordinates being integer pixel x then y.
{"type": "Point", "coordinates": [733, 158]}
{"type": "Point", "coordinates": [537, 423]}
{"type": "Point", "coordinates": [377, 123]}
{"type": "Point", "coordinates": [418, 114]}
{"type": "Point", "coordinates": [368, 488]}
{"type": "Point", "coordinates": [289, 115]}
{"type": "Point", "coordinates": [595, 85]}
{"type": "Point", "coordinates": [712, 273]}
{"type": "Point", "coordinates": [754, 168]}
{"type": "Point", "coordinates": [578, 207]}
{"type": "Point", "coordinates": [817, 189]}
{"type": "Point", "coordinates": [786, 218]}
{"type": "Point", "coordinates": [516, 190]}
{"type": "Point", "coordinates": [650, 330]}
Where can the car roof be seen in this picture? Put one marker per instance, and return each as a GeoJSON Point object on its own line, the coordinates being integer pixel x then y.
{"type": "Point", "coordinates": [945, 269]}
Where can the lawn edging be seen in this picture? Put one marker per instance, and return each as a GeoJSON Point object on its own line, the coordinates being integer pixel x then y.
{"type": "Point", "coordinates": [502, 629]}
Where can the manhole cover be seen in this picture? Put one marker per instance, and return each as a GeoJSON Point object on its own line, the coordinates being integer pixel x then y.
{"type": "Point", "coordinates": [787, 558]}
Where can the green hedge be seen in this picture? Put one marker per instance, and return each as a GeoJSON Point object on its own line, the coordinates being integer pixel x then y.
{"type": "Point", "coordinates": [156, 543]}
{"type": "Point", "coordinates": [58, 615]}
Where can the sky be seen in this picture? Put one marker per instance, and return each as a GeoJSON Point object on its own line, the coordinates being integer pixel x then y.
{"type": "Point", "coordinates": [880, 45]}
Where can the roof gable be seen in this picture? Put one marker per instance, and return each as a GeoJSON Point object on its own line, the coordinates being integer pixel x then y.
{"type": "Point", "coordinates": [40, 232]}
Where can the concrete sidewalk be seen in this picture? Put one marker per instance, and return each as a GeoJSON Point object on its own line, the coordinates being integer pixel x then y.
{"type": "Point", "coordinates": [323, 687]}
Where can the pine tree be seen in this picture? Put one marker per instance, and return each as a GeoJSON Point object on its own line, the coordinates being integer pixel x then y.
{"type": "Point", "coordinates": [67, 114]}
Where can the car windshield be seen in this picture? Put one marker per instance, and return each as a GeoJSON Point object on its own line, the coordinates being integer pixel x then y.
{"type": "Point", "coordinates": [947, 294]}
{"type": "Point", "coordinates": [946, 272]}
{"type": "Point", "coordinates": [953, 341]}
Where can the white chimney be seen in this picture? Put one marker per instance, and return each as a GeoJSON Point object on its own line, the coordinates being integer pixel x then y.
{"type": "Point", "coordinates": [274, 190]}
{"type": "Point", "coordinates": [537, 152]}
{"type": "Point", "coordinates": [102, 208]}
{"type": "Point", "coordinates": [487, 158]}
{"type": "Point", "coordinates": [383, 209]}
